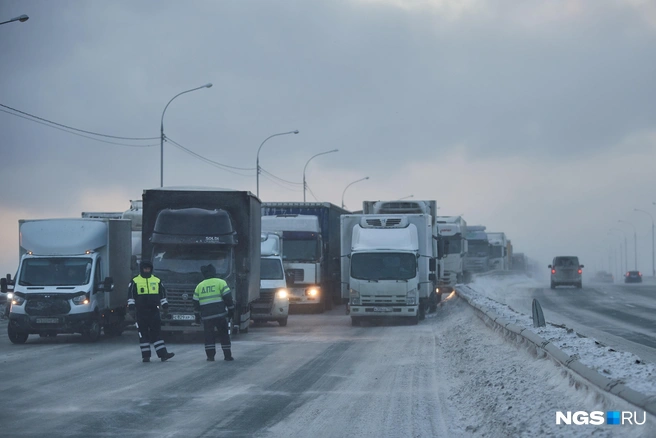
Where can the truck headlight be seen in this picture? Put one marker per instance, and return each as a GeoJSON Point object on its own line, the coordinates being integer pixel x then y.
{"type": "Point", "coordinates": [282, 294]}
{"type": "Point", "coordinates": [10, 295]}
{"type": "Point", "coordinates": [17, 300]}
{"type": "Point", "coordinates": [312, 292]}
{"type": "Point", "coordinates": [81, 300]}
{"type": "Point", "coordinates": [411, 298]}
{"type": "Point", "coordinates": [354, 297]}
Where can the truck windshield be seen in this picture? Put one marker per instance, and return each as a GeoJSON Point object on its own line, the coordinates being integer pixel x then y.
{"type": "Point", "coordinates": [60, 271]}
{"type": "Point", "coordinates": [478, 248]}
{"type": "Point", "coordinates": [383, 266]}
{"type": "Point", "coordinates": [271, 269]}
{"type": "Point", "coordinates": [454, 245]}
{"type": "Point", "coordinates": [188, 259]}
{"type": "Point", "coordinates": [496, 251]}
{"type": "Point", "coordinates": [302, 250]}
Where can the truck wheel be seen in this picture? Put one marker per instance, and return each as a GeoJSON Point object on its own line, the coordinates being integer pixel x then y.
{"type": "Point", "coordinates": [92, 332]}
{"type": "Point", "coordinates": [15, 336]}
{"type": "Point", "coordinates": [283, 322]}
{"type": "Point", "coordinates": [355, 322]}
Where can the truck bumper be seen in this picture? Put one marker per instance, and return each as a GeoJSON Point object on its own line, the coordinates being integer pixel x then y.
{"type": "Point", "coordinates": [60, 323]}
{"type": "Point", "coordinates": [269, 312]}
{"type": "Point", "coordinates": [384, 311]}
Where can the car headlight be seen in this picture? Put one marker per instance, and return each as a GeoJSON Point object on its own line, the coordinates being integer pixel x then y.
{"type": "Point", "coordinates": [17, 300]}
{"type": "Point", "coordinates": [354, 297]}
{"type": "Point", "coordinates": [282, 294]}
{"type": "Point", "coordinates": [81, 300]}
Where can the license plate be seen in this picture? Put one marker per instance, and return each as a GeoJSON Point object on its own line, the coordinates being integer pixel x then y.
{"type": "Point", "coordinates": [183, 317]}
{"type": "Point", "coordinates": [382, 309]}
{"type": "Point", "coordinates": [47, 320]}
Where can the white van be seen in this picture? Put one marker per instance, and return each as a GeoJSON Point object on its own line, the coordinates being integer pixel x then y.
{"type": "Point", "coordinates": [273, 304]}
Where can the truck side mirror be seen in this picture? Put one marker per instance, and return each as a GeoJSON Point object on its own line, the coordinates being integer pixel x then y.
{"type": "Point", "coordinates": [440, 248]}
{"type": "Point", "coordinates": [581, 266]}
{"type": "Point", "coordinates": [549, 266]}
{"type": "Point", "coordinates": [431, 277]}
{"type": "Point", "coordinates": [432, 263]}
{"type": "Point", "coordinates": [3, 285]}
{"type": "Point", "coordinates": [289, 277]}
{"type": "Point", "coordinates": [107, 285]}
{"type": "Point", "coordinates": [134, 266]}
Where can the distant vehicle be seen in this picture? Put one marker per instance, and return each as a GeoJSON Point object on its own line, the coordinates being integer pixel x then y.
{"type": "Point", "coordinates": [566, 271]}
{"type": "Point", "coordinates": [603, 277]}
{"type": "Point", "coordinates": [633, 277]}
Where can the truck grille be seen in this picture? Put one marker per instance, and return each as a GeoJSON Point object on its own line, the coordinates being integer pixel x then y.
{"type": "Point", "coordinates": [180, 299]}
{"type": "Point", "coordinates": [42, 306]}
{"type": "Point", "coordinates": [383, 299]}
{"type": "Point", "coordinates": [264, 303]}
{"type": "Point", "coordinates": [297, 274]}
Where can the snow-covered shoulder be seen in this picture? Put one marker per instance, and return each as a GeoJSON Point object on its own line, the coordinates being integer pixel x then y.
{"type": "Point", "coordinates": [629, 369]}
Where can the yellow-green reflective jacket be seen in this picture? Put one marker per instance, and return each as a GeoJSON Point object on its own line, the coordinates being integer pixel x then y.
{"type": "Point", "coordinates": [213, 298]}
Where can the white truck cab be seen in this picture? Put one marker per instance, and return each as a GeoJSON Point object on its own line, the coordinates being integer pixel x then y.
{"type": "Point", "coordinates": [66, 277]}
{"type": "Point", "coordinates": [273, 304]}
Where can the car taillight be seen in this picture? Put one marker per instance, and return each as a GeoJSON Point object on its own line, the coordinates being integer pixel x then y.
{"type": "Point", "coordinates": [580, 271]}
{"type": "Point", "coordinates": [553, 271]}
{"type": "Point", "coordinates": [640, 274]}
{"type": "Point", "coordinates": [626, 275]}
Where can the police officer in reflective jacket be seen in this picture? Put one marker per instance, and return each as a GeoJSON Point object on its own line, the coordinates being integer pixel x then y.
{"type": "Point", "coordinates": [213, 300]}
{"type": "Point", "coordinates": [146, 293]}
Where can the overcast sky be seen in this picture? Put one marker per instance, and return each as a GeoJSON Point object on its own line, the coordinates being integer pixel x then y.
{"type": "Point", "coordinates": [530, 117]}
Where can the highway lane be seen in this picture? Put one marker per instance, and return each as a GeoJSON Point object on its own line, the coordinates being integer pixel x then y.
{"type": "Point", "coordinates": [622, 316]}
{"type": "Point", "coordinates": [450, 375]}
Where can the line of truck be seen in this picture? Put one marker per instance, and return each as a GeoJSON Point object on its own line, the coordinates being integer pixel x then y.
{"type": "Point", "coordinates": [394, 258]}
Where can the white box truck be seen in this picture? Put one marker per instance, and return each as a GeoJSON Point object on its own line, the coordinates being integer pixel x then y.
{"type": "Point", "coordinates": [388, 266]}
{"type": "Point", "coordinates": [452, 231]}
{"type": "Point", "coordinates": [273, 304]}
{"type": "Point", "coordinates": [72, 277]}
{"type": "Point", "coordinates": [499, 258]}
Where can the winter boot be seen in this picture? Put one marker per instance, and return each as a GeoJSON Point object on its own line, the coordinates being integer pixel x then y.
{"type": "Point", "coordinates": [227, 355]}
{"type": "Point", "coordinates": [145, 359]}
{"type": "Point", "coordinates": [167, 356]}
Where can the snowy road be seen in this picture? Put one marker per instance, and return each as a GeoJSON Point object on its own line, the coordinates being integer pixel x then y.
{"type": "Point", "coordinates": [449, 376]}
{"type": "Point", "coordinates": [622, 316]}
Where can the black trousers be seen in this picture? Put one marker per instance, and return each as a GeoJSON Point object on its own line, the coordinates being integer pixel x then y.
{"type": "Point", "coordinates": [149, 326]}
{"type": "Point", "coordinates": [211, 326]}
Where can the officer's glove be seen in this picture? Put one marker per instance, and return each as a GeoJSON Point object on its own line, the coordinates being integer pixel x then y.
{"type": "Point", "coordinates": [132, 310]}
{"type": "Point", "coordinates": [165, 308]}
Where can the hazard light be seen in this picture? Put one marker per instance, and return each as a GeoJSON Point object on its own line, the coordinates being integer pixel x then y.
{"type": "Point", "coordinates": [580, 271]}
{"type": "Point", "coordinates": [553, 271]}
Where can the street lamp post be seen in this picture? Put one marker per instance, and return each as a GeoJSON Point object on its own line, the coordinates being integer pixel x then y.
{"type": "Point", "coordinates": [653, 257]}
{"type": "Point", "coordinates": [626, 262]}
{"type": "Point", "coordinates": [161, 137]}
{"type": "Point", "coordinates": [308, 162]}
{"type": "Point", "coordinates": [257, 167]}
{"type": "Point", "coordinates": [635, 243]}
{"type": "Point", "coordinates": [22, 18]}
{"type": "Point", "coordinates": [361, 179]}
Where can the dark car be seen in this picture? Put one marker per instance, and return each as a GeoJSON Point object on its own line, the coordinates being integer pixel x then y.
{"type": "Point", "coordinates": [603, 277]}
{"type": "Point", "coordinates": [633, 277]}
{"type": "Point", "coordinates": [566, 271]}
